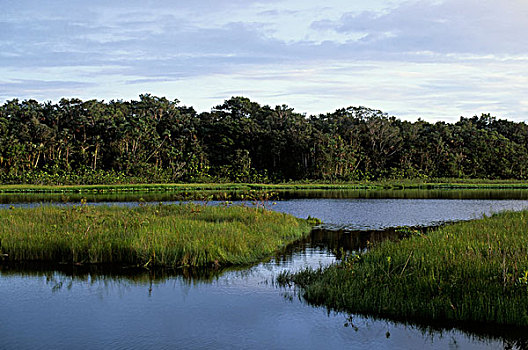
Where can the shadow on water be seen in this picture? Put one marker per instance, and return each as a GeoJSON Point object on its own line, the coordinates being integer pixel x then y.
{"type": "Point", "coordinates": [132, 274]}
{"type": "Point", "coordinates": [339, 241]}
{"type": "Point", "coordinates": [510, 337]}
{"type": "Point", "coordinates": [408, 194]}
{"type": "Point", "coordinates": [342, 241]}
{"type": "Point", "coordinates": [165, 196]}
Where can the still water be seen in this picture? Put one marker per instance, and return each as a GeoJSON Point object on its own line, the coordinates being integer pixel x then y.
{"type": "Point", "coordinates": [169, 196]}
{"type": "Point", "coordinates": [80, 307]}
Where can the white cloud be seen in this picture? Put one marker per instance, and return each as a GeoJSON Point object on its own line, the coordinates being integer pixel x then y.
{"type": "Point", "coordinates": [462, 26]}
{"type": "Point", "coordinates": [416, 58]}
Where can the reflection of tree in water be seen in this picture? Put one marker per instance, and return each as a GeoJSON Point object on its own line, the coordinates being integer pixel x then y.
{"type": "Point", "coordinates": [237, 195]}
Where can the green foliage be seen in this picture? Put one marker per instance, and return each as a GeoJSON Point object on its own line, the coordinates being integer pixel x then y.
{"type": "Point", "coordinates": [149, 235]}
{"type": "Point", "coordinates": [314, 221]}
{"type": "Point", "coordinates": [157, 140]}
{"type": "Point", "coordinates": [467, 272]}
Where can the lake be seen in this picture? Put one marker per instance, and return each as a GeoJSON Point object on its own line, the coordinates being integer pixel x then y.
{"type": "Point", "coordinates": [94, 307]}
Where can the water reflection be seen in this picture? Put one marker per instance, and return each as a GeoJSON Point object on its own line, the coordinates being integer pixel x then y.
{"type": "Point", "coordinates": [170, 196]}
{"type": "Point", "coordinates": [229, 308]}
{"type": "Point", "coordinates": [408, 194]}
{"type": "Point", "coordinates": [377, 214]}
{"type": "Point", "coordinates": [320, 242]}
{"type": "Point", "coordinates": [461, 335]}
{"type": "Point", "coordinates": [69, 306]}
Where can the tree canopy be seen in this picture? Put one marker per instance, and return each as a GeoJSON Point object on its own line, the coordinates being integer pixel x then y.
{"type": "Point", "coordinates": [155, 139]}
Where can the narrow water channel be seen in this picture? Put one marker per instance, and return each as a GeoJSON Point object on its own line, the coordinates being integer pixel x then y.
{"type": "Point", "coordinates": [79, 307]}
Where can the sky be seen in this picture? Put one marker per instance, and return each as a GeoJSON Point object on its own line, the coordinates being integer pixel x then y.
{"type": "Point", "coordinates": [429, 59]}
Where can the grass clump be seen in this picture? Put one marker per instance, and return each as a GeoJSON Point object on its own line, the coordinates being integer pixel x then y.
{"type": "Point", "coordinates": [151, 235]}
{"type": "Point", "coordinates": [473, 271]}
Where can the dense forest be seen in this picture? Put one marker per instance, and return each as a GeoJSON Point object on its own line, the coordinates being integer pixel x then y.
{"type": "Point", "coordinates": [158, 140]}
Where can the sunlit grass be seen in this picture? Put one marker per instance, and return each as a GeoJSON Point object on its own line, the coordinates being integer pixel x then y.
{"type": "Point", "coordinates": [473, 271]}
{"type": "Point", "coordinates": [440, 183]}
{"type": "Point", "coordinates": [157, 235]}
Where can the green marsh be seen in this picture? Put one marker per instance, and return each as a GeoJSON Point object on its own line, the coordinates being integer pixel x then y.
{"type": "Point", "coordinates": [474, 272]}
{"type": "Point", "coordinates": [149, 235]}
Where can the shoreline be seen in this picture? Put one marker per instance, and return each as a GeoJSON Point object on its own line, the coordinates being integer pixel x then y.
{"type": "Point", "coordinates": [473, 271]}
{"type": "Point", "coordinates": [187, 235]}
{"type": "Point", "coordinates": [181, 187]}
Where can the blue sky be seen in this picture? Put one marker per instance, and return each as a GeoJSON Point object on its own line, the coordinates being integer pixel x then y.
{"type": "Point", "coordinates": [434, 59]}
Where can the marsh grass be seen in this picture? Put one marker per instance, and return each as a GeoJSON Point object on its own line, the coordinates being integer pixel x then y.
{"type": "Point", "coordinates": [474, 271]}
{"type": "Point", "coordinates": [149, 235]}
{"type": "Point", "coordinates": [119, 188]}
{"type": "Point", "coordinates": [437, 183]}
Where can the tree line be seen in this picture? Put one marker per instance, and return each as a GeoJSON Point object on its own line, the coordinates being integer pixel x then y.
{"type": "Point", "coordinates": [154, 139]}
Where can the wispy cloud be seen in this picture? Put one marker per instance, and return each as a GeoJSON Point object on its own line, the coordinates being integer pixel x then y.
{"type": "Point", "coordinates": [468, 26]}
{"type": "Point", "coordinates": [434, 59]}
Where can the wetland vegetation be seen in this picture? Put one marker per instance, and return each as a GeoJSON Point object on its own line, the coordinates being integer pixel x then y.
{"type": "Point", "coordinates": [468, 272]}
{"type": "Point", "coordinates": [432, 188]}
{"type": "Point", "coordinates": [186, 296]}
{"type": "Point", "coordinates": [149, 235]}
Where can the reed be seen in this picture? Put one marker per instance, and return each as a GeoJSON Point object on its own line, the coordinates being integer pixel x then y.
{"type": "Point", "coordinates": [149, 235]}
{"type": "Point", "coordinates": [473, 271]}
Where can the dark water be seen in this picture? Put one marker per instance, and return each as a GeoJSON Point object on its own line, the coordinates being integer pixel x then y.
{"type": "Point", "coordinates": [167, 196]}
{"type": "Point", "coordinates": [79, 307]}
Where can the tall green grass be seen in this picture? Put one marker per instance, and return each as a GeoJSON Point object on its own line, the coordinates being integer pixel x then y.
{"type": "Point", "coordinates": [119, 188]}
{"type": "Point", "coordinates": [473, 271]}
{"type": "Point", "coordinates": [158, 235]}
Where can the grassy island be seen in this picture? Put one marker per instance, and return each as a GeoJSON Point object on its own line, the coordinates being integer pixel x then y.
{"type": "Point", "coordinates": [473, 271]}
{"type": "Point", "coordinates": [148, 235]}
